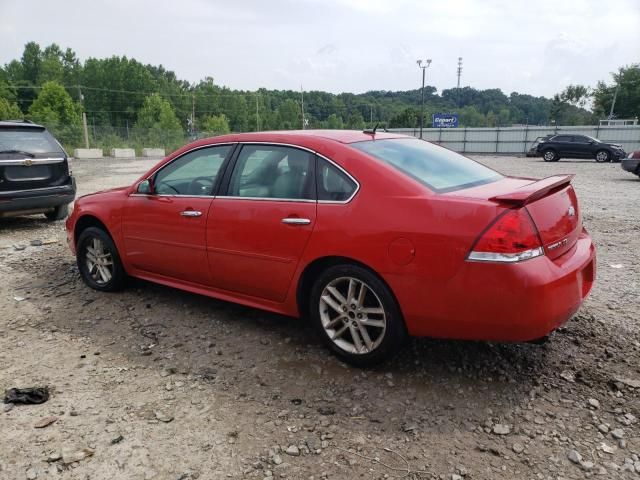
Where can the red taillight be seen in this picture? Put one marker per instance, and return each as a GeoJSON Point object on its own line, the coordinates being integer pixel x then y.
{"type": "Point", "coordinates": [512, 237]}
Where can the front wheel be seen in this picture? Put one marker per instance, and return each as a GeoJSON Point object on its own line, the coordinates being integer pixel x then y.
{"type": "Point", "coordinates": [356, 315]}
{"type": "Point", "coordinates": [98, 261]}
{"type": "Point", "coordinates": [602, 156]}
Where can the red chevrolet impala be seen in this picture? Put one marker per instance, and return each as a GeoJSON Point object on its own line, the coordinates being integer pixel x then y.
{"type": "Point", "coordinates": [374, 236]}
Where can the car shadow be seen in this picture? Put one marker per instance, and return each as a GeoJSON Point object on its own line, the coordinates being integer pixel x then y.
{"type": "Point", "coordinates": [28, 222]}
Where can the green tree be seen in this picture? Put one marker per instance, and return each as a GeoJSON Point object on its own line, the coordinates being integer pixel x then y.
{"type": "Point", "coordinates": [335, 122]}
{"type": "Point", "coordinates": [627, 82]}
{"type": "Point", "coordinates": [215, 124]}
{"type": "Point", "coordinates": [290, 115]}
{"type": "Point", "coordinates": [356, 121]}
{"type": "Point", "coordinates": [55, 108]}
{"type": "Point", "coordinates": [157, 123]}
{"type": "Point", "coordinates": [9, 111]}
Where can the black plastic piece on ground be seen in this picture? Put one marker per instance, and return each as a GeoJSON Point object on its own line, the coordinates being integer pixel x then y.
{"type": "Point", "coordinates": [28, 396]}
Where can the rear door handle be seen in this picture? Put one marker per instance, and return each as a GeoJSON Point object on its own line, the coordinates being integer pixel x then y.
{"type": "Point", "coordinates": [296, 221]}
{"type": "Point", "coordinates": [191, 213]}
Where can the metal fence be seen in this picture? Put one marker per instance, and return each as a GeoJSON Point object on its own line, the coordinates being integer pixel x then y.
{"type": "Point", "coordinates": [516, 140]}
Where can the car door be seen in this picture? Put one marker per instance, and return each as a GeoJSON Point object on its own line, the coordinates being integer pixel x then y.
{"type": "Point", "coordinates": [165, 230]}
{"type": "Point", "coordinates": [563, 145]}
{"type": "Point", "coordinates": [582, 146]}
{"type": "Point", "coordinates": [258, 229]}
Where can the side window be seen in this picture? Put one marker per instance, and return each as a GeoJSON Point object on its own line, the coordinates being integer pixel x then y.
{"type": "Point", "coordinates": [562, 138]}
{"type": "Point", "coordinates": [194, 173]}
{"type": "Point", "coordinates": [580, 139]}
{"type": "Point", "coordinates": [333, 184]}
{"type": "Point", "coordinates": [270, 171]}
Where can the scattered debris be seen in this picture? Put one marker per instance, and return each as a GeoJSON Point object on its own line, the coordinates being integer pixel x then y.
{"type": "Point", "coordinates": [45, 422]}
{"type": "Point", "coordinates": [72, 456]}
{"type": "Point", "coordinates": [28, 396]}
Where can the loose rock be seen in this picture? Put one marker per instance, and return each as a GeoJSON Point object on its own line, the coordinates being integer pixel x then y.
{"type": "Point", "coordinates": [501, 429]}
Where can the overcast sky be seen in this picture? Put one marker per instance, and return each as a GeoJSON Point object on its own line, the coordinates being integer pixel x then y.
{"type": "Point", "coordinates": [535, 47]}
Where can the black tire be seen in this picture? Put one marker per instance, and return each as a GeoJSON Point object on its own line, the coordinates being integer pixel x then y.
{"type": "Point", "coordinates": [93, 278]}
{"type": "Point", "coordinates": [550, 155]}
{"type": "Point", "coordinates": [59, 213]}
{"type": "Point", "coordinates": [387, 342]}
{"type": "Point", "coordinates": [602, 156]}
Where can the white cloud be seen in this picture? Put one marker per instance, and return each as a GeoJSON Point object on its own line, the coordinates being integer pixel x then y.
{"type": "Point", "coordinates": [344, 45]}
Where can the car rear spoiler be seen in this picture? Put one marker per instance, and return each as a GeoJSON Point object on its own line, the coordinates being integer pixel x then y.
{"type": "Point", "coordinates": [534, 191]}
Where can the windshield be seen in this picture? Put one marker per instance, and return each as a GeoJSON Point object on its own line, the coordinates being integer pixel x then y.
{"type": "Point", "coordinates": [30, 140]}
{"type": "Point", "coordinates": [436, 167]}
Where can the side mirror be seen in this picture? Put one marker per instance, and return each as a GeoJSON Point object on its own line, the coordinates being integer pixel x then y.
{"type": "Point", "coordinates": [591, 142]}
{"type": "Point", "coordinates": [145, 187]}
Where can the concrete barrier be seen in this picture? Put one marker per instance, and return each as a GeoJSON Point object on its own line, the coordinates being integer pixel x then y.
{"type": "Point", "coordinates": [153, 152]}
{"type": "Point", "coordinates": [123, 153]}
{"type": "Point", "coordinates": [87, 153]}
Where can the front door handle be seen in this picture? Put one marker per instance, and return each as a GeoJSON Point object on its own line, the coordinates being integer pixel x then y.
{"type": "Point", "coordinates": [191, 213]}
{"type": "Point", "coordinates": [296, 221]}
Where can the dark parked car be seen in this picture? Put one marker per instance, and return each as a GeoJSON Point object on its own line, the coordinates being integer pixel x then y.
{"type": "Point", "coordinates": [35, 176]}
{"type": "Point", "coordinates": [533, 150]}
{"type": "Point", "coordinates": [632, 163]}
{"type": "Point", "coordinates": [565, 145]}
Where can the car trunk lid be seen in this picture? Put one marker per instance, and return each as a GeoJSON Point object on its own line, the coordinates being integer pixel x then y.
{"type": "Point", "coordinates": [27, 173]}
{"type": "Point", "coordinates": [551, 202]}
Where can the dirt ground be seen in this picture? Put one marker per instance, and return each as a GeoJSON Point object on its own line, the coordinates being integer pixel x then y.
{"type": "Point", "coordinates": [155, 383]}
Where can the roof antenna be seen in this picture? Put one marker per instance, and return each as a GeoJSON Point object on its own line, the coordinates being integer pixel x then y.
{"type": "Point", "coordinates": [370, 131]}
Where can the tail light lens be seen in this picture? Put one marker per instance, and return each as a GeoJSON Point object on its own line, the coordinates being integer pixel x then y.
{"type": "Point", "coordinates": [512, 237]}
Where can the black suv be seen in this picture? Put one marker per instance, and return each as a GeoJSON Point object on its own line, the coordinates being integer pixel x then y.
{"type": "Point", "coordinates": [34, 172]}
{"type": "Point", "coordinates": [578, 146]}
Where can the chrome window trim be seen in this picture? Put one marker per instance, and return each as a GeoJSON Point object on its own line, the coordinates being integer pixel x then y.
{"type": "Point", "coordinates": [299, 147]}
{"type": "Point", "coordinates": [155, 195]}
{"type": "Point", "coordinates": [269, 199]}
{"type": "Point", "coordinates": [31, 161]}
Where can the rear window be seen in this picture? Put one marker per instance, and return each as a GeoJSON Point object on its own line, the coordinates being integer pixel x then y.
{"type": "Point", "coordinates": [436, 167]}
{"type": "Point", "coordinates": [30, 140]}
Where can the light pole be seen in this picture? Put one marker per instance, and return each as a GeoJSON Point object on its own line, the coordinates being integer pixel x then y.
{"type": "Point", "coordinates": [424, 68]}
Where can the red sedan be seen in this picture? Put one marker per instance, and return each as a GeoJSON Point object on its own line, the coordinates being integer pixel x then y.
{"type": "Point", "coordinates": [374, 236]}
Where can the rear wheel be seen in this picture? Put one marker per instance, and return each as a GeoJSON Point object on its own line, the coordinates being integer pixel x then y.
{"type": "Point", "coordinates": [356, 315]}
{"type": "Point", "coordinates": [550, 155]}
{"type": "Point", "coordinates": [98, 261]}
{"type": "Point", "coordinates": [602, 156]}
{"type": "Point", "coordinates": [58, 213]}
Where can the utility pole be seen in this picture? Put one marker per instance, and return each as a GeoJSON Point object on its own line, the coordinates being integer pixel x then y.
{"type": "Point", "coordinates": [84, 118]}
{"type": "Point", "coordinates": [424, 68]}
{"type": "Point", "coordinates": [302, 104]}
{"type": "Point", "coordinates": [257, 115]}
{"type": "Point", "coordinates": [193, 114]}
{"type": "Point", "coordinates": [613, 103]}
{"type": "Point", "coordinates": [459, 73]}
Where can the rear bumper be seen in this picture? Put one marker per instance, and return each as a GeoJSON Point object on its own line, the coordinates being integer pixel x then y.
{"type": "Point", "coordinates": [513, 303]}
{"type": "Point", "coordinates": [41, 199]}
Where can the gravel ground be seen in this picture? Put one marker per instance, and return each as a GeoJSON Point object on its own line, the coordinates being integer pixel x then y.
{"type": "Point", "coordinates": [158, 383]}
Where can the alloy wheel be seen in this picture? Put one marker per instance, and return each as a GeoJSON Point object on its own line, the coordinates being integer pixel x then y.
{"type": "Point", "coordinates": [99, 261]}
{"type": "Point", "coordinates": [352, 315]}
{"type": "Point", "coordinates": [602, 156]}
{"type": "Point", "coordinates": [549, 155]}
